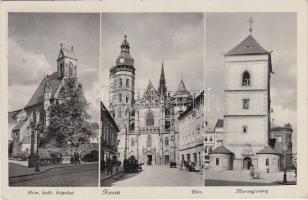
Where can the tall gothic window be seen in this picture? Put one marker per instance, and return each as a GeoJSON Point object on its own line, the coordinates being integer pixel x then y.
{"type": "Point", "coordinates": [120, 97]}
{"type": "Point", "coordinates": [70, 69]}
{"type": "Point", "coordinates": [127, 83]}
{"type": "Point", "coordinates": [120, 113]}
{"type": "Point", "coordinates": [120, 84]}
{"type": "Point", "coordinates": [246, 78]}
{"type": "Point", "coordinates": [61, 70]}
{"type": "Point", "coordinates": [149, 141]}
{"type": "Point", "coordinates": [150, 119]}
{"type": "Point", "coordinates": [166, 141]}
{"type": "Point", "coordinates": [126, 98]}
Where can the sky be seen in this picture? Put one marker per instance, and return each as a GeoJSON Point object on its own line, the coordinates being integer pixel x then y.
{"type": "Point", "coordinates": [175, 38]}
{"type": "Point", "coordinates": [34, 44]}
{"type": "Point", "coordinates": [274, 31]}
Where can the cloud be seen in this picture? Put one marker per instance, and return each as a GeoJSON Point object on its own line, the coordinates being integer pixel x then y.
{"type": "Point", "coordinates": [26, 67]}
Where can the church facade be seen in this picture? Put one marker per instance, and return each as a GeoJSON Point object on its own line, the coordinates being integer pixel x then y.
{"type": "Point", "coordinates": [247, 101]}
{"type": "Point", "coordinates": [38, 107]}
{"type": "Point", "coordinates": [147, 122]}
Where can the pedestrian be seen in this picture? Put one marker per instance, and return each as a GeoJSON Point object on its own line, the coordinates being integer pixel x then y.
{"type": "Point", "coordinates": [78, 157]}
{"type": "Point", "coordinates": [75, 158]}
{"type": "Point", "coordinates": [109, 166]}
{"type": "Point", "coordinates": [252, 172]}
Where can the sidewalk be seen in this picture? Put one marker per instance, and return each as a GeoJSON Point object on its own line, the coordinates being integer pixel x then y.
{"type": "Point", "coordinates": [104, 175]}
{"type": "Point", "coordinates": [20, 168]}
{"type": "Point", "coordinates": [243, 176]}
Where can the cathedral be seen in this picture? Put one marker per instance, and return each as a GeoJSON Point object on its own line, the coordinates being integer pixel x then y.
{"type": "Point", "coordinates": [24, 121]}
{"type": "Point", "coordinates": [147, 122]}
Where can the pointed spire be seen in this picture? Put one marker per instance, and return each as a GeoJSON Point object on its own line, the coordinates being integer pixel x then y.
{"type": "Point", "coordinates": [162, 73]}
{"type": "Point", "coordinates": [162, 89]}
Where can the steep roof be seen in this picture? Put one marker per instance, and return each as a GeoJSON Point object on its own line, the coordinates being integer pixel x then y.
{"type": "Point", "coordinates": [38, 96]}
{"type": "Point", "coordinates": [181, 89]}
{"type": "Point", "coordinates": [220, 123]}
{"type": "Point", "coordinates": [221, 150]}
{"type": "Point", "coordinates": [66, 53]}
{"type": "Point", "coordinates": [249, 46]}
{"type": "Point", "coordinates": [268, 150]}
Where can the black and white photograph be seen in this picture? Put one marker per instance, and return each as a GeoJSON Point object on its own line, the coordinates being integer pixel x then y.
{"type": "Point", "coordinates": [251, 106]}
{"type": "Point", "coordinates": [152, 115]}
{"type": "Point", "coordinates": [53, 67]}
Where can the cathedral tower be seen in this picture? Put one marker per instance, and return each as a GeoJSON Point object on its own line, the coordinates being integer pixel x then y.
{"type": "Point", "coordinates": [122, 83]}
{"type": "Point", "coordinates": [66, 63]}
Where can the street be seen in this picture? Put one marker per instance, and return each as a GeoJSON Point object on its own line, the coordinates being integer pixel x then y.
{"type": "Point", "coordinates": [80, 175]}
{"type": "Point", "coordinates": [156, 176]}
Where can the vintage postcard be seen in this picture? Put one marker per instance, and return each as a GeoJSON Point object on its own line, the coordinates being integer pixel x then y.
{"type": "Point", "coordinates": [153, 100]}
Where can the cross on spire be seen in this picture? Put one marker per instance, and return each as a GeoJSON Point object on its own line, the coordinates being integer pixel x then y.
{"type": "Point", "coordinates": [125, 36]}
{"type": "Point", "coordinates": [250, 21]}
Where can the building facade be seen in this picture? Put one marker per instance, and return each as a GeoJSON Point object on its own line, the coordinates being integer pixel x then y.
{"type": "Point", "coordinates": [147, 122]}
{"type": "Point", "coordinates": [248, 70]}
{"type": "Point", "coordinates": [281, 141]}
{"type": "Point", "coordinates": [191, 133]}
{"type": "Point", "coordinates": [109, 135]}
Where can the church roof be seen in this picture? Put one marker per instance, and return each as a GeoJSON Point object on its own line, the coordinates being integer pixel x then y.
{"type": "Point", "coordinates": [220, 123]}
{"type": "Point", "coordinates": [268, 150]}
{"type": "Point", "coordinates": [67, 53]}
{"type": "Point", "coordinates": [221, 150]}
{"type": "Point", "coordinates": [38, 95]}
{"type": "Point", "coordinates": [181, 89]}
{"type": "Point", "coordinates": [249, 46]}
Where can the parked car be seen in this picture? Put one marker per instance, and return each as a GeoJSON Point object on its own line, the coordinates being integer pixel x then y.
{"type": "Point", "coordinates": [172, 164]}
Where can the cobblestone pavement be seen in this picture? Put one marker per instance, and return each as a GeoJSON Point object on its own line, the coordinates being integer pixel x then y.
{"type": "Point", "coordinates": [80, 175]}
{"type": "Point", "coordinates": [242, 178]}
{"type": "Point", "coordinates": [156, 176]}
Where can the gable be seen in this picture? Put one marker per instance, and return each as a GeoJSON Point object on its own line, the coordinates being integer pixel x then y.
{"type": "Point", "coordinates": [38, 96]}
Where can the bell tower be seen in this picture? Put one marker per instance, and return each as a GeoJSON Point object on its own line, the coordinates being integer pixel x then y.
{"type": "Point", "coordinates": [122, 87]}
{"type": "Point", "coordinates": [248, 69]}
{"type": "Point", "coordinates": [66, 62]}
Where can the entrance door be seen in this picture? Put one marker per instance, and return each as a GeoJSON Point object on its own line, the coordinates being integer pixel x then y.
{"type": "Point", "coordinates": [247, 162]}
{"type": "Point", "coordinates": [149, 159]}
{"type": "Point", "coordinates": [166, 159]}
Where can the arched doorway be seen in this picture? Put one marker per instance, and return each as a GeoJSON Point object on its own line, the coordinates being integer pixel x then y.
{"type": "Point", "coordinates": [247, 162]}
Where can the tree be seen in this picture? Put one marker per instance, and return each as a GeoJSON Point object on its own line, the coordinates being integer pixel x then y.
{"type": "Point", "coordinates": [68, 117]}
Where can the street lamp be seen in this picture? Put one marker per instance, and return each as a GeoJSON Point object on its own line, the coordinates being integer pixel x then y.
{"type": "Point", "coordinates": [285, 148]}
{"type": "Point", "coordinates": [38, 129]}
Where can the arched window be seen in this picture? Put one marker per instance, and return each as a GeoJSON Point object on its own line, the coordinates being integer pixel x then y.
{"type": "Point", "coordinates": [127, 83]}
{"type": "Point", "coordinates": [120, 113]}
{"type": "Point", "coordinates": [61, 70]}
{"type": "Point", "coordinates": [120, 97]}
{"type": "Point", "coordinates": [166, 141]}
{"type": "Point", "coordinates": [150, 119]}
{"type": "Point", "coordinates": [70, 69]}
{"type": "Point", "coordinates": [267, 162]}
{"type": "Point", "coordinates": [126, 98]}
{"type": "Point", "coordinates": [149, 141]}
{"type": "Point", "coordinates": [120, 84]}
{"type": "Point", "coordinates": [246, 78]}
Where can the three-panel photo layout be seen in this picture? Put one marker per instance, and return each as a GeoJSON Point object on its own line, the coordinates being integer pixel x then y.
{"type": "Point", "coordinates": [152, 99]}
